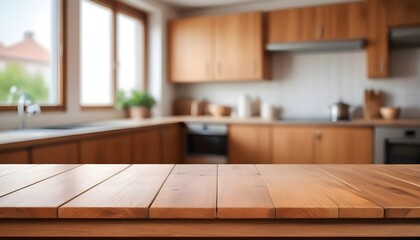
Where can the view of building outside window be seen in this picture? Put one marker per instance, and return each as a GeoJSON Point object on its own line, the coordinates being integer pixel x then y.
{"type": "Point", "coordinates": [28, 50]}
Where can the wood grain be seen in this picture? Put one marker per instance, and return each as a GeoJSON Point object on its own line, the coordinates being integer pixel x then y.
{"type": "Point", "coordinates": [112, 149]}
{"type": "Point", "coordinates": [126, 195]}
{"type": "Point", "coordinates": [403, 12]}
{"type": "Point", "coordinates": [14, 157]}
{"type": "Point", "coordinates": [6, 169]}
{"type": "Point", "coordinates": [42, 200]}
{"type": "Point", "coordinates": [172, 144]}
{"type": "Point", "coordinates": [28, 176]}
{"type": "Point", "coordinates": [190, 53]}
{"type": "Point", "coordinates": [62, 153]}
{"type": "Point", "coordinates": [301, 191]}
{"type": "Point", "coordinates": [215, 228]}
{"type": "Point", "coordinates": [408, 175]}
{"type": "Point", "coordinates": [249, 144]}
{"type": "Point", "coordinates": [189, 192]}
{"type": "Point", "coordinates": [289, 20]}
{"type": "Point", "coordinates": [239, 47]}
{"type": "Point", "coordinates": [294, 145]}
{"type": "Point", "coordinates": [242, 193]}
{"type": "Point", "coordinates": [146, 146]}
{"type": "Point", "coordinates": [399, 198]}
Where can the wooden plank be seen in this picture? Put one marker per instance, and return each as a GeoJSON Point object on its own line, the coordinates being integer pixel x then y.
{"type": "Point", "coordinates": [189, 192]}
{"type": "Point", "coordinates": [20, 179]}
{"type": "Point", "coordinates": [301, 191]}
{"type": "Point", "coordinates": [241, 193]}
{"type": "Point", "coordinates": [404, 174]}
{"type": "Point", "coordinates": [216, 228]}
{"type": "Point", "coordinates": [399, 199]}
{"type": "Point", "coordinates": [11, 168]}
{"type": "Point", "coordinates": [126, 195]}
{"type": "Point", "coordinates": [41, 200]}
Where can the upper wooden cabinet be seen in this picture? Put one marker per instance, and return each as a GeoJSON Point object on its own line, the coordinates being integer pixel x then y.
{"type": "Point", "coordinates": [330, 22]}
{"type": "Point", "coordinates": [239, 47]}
{"type": "Point", "coordinates": [332, 145]}
{"type": "Point", "coordinates": [222, 48]}
{"type": "Point", "coordinates": [403, 12]}
{"type": "Point", "coordinates": [190, 51]}
{"type": "Point", "coordinates": [249, 144]}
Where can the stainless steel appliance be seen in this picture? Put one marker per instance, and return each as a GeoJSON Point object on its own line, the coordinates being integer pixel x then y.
{"type": "Point", "coordinates": [340, 111]}
{"type": "Point", "coordinates": [397, 145]}
{"type": "Point", "coordinates": [206, 143]}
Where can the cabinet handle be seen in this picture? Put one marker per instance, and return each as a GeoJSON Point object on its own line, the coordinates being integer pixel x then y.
{"type": "Point", "coordinates": [319, 32]}
{"type": "Point", "coordinates": [382, 65]}
{"type": "Point", "coordinates": [318, 135]}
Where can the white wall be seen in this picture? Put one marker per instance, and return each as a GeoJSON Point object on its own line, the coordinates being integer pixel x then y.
{"type": "Point", "coordinates": [158, 86]}
{"type": "Point", "coordinates": [303, 85]}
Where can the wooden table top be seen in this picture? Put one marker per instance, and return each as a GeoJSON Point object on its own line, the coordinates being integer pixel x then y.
{"type": "Point", "coordinates": [210, 191]}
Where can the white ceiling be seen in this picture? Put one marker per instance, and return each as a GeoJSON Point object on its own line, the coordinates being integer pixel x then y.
{"type": "Point", "coordinates": [191, 4]}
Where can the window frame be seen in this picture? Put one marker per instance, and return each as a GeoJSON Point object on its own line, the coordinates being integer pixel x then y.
{"type": "Point", "coordinates": [119, 7]}
{"type": "Point", "coordinates": [61, 106]}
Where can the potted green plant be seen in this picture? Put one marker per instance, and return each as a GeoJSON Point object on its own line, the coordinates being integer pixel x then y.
{"type": "Point", "coordinates": [137, 104]}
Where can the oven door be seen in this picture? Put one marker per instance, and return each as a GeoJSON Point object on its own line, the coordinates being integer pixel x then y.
{"type": "Point", "coordinates": [402, 151]}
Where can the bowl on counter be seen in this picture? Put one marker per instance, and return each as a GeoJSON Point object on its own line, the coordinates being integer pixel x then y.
{"type": "Point", "coordinates": [390, 113]}
{"type": "Point", "coordinates": [218, 110]}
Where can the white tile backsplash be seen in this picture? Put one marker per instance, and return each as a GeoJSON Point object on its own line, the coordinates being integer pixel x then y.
{"type": "Point", "coordinates": [303, 85]}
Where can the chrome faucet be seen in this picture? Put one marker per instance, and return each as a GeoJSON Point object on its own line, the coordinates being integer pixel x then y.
{"type": "Point", "coordinates": [31, 109]}
{"type": "Point", "coordinates": [23, 102]}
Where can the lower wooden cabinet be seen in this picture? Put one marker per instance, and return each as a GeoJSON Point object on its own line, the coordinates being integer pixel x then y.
{"type": "Point", "coordinates": [249, 144]}
{"type": "Point", "coordinates": [147, 147]}
{"type": "Point", "coordinates": [172, 147]}
{"type": "Point", "coordinates": [62, 153]}
{"type": "Point", "coordinates": [20, 156]}
{"type": "Point", "coordinates": [332, 145]}
{"type": "Point", "coordinates": [113, 149]}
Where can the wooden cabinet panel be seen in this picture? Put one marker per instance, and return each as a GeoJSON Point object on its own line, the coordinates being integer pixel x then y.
{"type": "Point", "coordinates": [146, 146]}
{"type": "Point", "coordinates": [377, 51]}
{"type": "Point", "coordinates": [403, 12]}
{"type": "Point", "coordinates": [64, 153]}
{"type": "Point", "coordinates": [294, 145]}
{"type": "Point", "coordinates": [172, 144]}
{"type": "Point", "coordinates": [249, 144]}
{"type": "Point", "coordinates": [114, 149]}
{"type": "Point", "coordinates": [239, 47]}
{"type": "Point", "coordinates": [283, 26]}
{"type": "Point", "coordinates": [14, 157]}
{"type": "Point", "coordinates": [344, 145]}
{"type": "Point", "coordinates": [191, 49]}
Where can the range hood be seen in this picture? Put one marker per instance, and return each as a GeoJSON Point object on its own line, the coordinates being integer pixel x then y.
{"type": "Point", "coordinates": [405, 37]}
{"type": "Point", "coordinates": [316, 46]}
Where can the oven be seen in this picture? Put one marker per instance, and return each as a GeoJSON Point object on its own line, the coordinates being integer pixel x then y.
{"type": "Point", "coordinates": [206, 143]}
{"type": "Point", "coordinates": [397, 145]}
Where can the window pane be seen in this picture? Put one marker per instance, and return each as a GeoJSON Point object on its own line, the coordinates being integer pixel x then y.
{"type": "Point", "coordinates": [29, 39]}
{"type": "Point", "coordinates": [130, 47]}
{"type": "Point", "coordinates": [96, 55]}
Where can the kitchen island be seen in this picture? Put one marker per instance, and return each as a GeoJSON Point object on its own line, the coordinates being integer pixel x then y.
{"type": "Point", "coordinates": [209, 200]}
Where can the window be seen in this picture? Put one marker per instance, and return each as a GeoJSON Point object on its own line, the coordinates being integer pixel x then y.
{"type": "Point", "coordinates": [112, 55]}
{"type": "Point", "coordinates": [31, 36]}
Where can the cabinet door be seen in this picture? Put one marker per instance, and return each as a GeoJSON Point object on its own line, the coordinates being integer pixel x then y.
{"type": "Point", "coordinates": [114, 149]}
{"type": "Point", "coordinates": [63, 153]}
{"type": "Point", "coordinates": [377, 47]}
{"type": "Point", "coordinates": [239, 47]}
{"type": "Point", "coordinates": [294, 145]}
{"type": "Point", "coordinates": [146, 146]}
{"type": "Point", "coordinates": [284, 26]}
{"type": "Point", "coordinates": [311, 24]}
{"type": "Point", "coordinates": [348, 145]}
{"type": "Point", "coordinates": [403, 12]}
{"type": "Point", "coordinates": [249, 144]}
{"type": "Point", "coordinates": [172, 144]}
{"type": "Point", "coordinates": [190, 49]}
{"type": "Point", "coordinates": [14, 157]}
{"type": "Point", "coordinates": [344, 21]}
